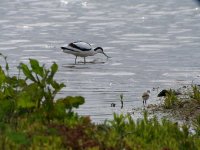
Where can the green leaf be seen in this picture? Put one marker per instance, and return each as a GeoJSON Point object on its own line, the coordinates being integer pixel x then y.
{"type": "Point", "coordinates": [54, 68]}
{"type": "Point", "coordinates": [6, 108]}
{"type": "Point", "coordinates": [21, 83]}
{"type": "Point", "coordinates": [57, 86]}
{"type": "Point", "coordinates": [78, 100]}
{"type": "Point", "coordinates": [2, 76]}
{"type": "Point", "coordinates": [32, 94]}
{"type": "Point", "coordinates": [60, 110]}
{"type": "Point", "coordinates": [27, 72]}
{"type": "Point", "coordinates": [18, 137]}
{"type": "Point", "coordinates": [25, 101]}
{"type": "Point", "coordinates": [36, 67]}
{"type": "Point", "coordinates": [7, 66]}
{"type": "Point", "coordinates": [71, 102]}
{"type": "Point", "coordinates": [29, 97]}
{"type": "Point", "coordinates": [62, 85]}
{"type": "Point", "coordinates": [12, 81]}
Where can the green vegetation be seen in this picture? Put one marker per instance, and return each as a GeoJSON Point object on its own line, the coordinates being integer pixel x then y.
{"type": "Point", "coordinates": [170, 99]}
{"type": "Point", "coordinates": [195, 94]}
{"type": "Point", "coordinates": [185, 106]}
{"type": "Point", "coordinates": [31, 118]}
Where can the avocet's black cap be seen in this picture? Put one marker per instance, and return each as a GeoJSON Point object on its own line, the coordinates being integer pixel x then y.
{"type": "Point", "coordinates": [63, 48]}
{"type": "Point", "coordinates": [100, 48]}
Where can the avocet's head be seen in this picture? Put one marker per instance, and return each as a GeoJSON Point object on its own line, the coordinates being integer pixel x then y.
{"type": "Point", "coordinates": [64, 48]}
{"type": "Point", "coordinates": [100, 50]}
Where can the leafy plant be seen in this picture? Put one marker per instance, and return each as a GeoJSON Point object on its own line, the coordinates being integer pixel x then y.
{"type": "Point", "coordinates": [34, 94]}
{"type": "Point", "coordinates": [8, 92]}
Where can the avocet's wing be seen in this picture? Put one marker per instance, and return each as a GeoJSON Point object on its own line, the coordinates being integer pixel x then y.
{"type": "Point", "coordinates": [83, 46]}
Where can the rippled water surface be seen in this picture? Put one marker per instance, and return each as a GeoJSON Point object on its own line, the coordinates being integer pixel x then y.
{"type": "Point", "coordinates": [152, 44]}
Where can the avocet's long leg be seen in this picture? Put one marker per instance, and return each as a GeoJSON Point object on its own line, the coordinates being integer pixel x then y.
{"type": "Point", "coordinates": [84, 60]}
{"type": "Point", "coordinates": [75, 59]}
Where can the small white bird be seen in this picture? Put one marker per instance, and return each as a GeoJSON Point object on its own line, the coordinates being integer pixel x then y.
{"type": "Point", "coordinates": [82, 49]}
{"type": "Point", "coordinates": [145, 97]}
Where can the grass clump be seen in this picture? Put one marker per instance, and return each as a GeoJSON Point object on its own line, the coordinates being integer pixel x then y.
{"type": "Point", "coordinates": [196, 94]}
{"type": "Point", "coordinates": [125, 133]}
{"type": "Point", "coordinates": [170, 99]}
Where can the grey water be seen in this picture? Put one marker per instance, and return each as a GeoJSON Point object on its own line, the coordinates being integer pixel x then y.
{"type": "Point", "coordinates": [152, 44]}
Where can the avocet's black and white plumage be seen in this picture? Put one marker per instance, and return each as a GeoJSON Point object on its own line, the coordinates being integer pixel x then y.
{"type": "Point", "coordinates": [82, 49]}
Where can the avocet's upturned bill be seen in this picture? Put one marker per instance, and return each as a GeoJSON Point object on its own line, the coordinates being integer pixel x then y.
{"type": "Point", "coordinates": [82, 49]}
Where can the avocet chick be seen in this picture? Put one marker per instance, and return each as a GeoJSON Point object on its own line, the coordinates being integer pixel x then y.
{"type": "Point", "coordinates": [145, 97]}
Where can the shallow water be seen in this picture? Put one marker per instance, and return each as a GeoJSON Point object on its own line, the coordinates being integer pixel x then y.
{"type": "Point", "coordinates": [152, 44]}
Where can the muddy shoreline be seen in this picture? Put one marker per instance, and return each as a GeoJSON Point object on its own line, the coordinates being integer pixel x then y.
{"type": "Point", "coordinates": [186, 110]}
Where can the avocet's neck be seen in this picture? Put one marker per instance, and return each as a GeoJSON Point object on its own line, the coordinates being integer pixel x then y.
{"type": "Point", "coordinates": [98, 50]}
